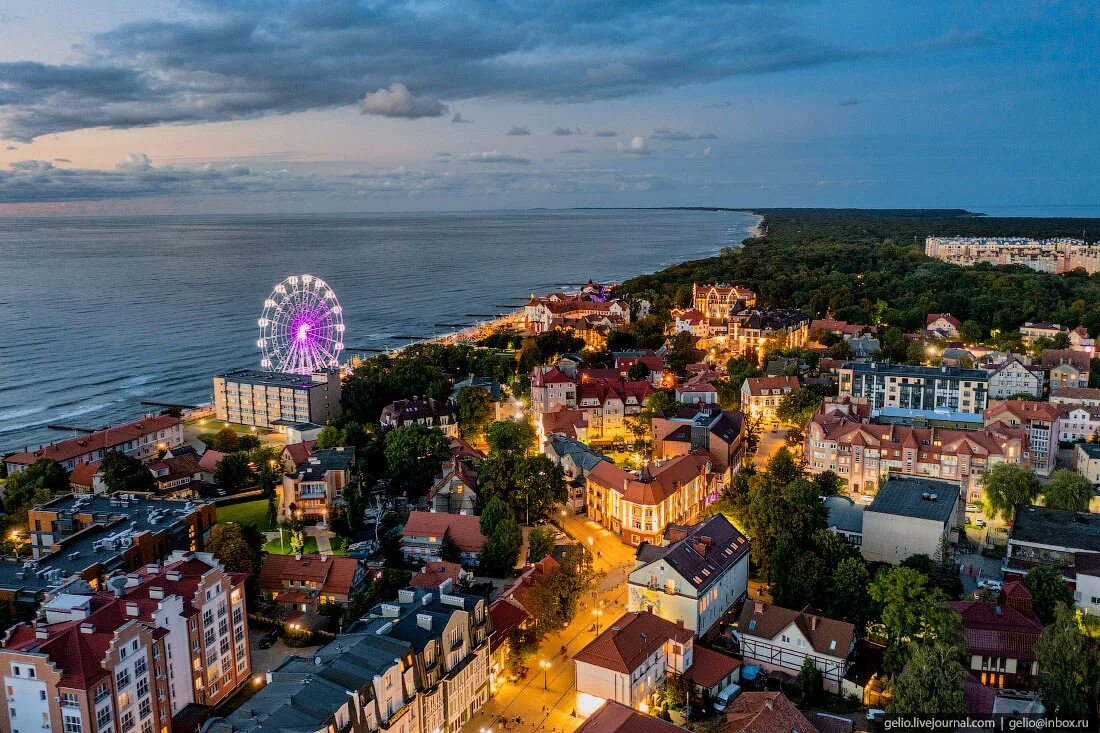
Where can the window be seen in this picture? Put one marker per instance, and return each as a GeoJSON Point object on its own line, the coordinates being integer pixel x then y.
{"type": "Point", "coordinates": [127, 721]}
{"type": "Point", "coordinates": [785, 639]}
{"type": "Point", "coordinates": [143, 687]}
{"type": "Point", "coordinates": [72, 723]}
{"type": "Point", "coordinates": [122, 678]}
{"type": "Point", "coordinates": [145, 707]}
{"type": "Point", "coordinates": [103, 717]}
{"type": "Point", "coordinates": [102, 693]}
{"type": "Point", "coordinates": [141, 667]}
{"type": "Point", "coordinates": [68, 700]}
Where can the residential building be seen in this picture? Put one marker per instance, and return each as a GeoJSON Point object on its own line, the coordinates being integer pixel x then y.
{"type": "Point", "coordinates": [260, 399]}
{"type": "Point", "coordinates": [421, 411]}
{"type": "Point", "coordinates": [435, 572]}
{"type": "Point", "coordinates": [655, 364]}
{"type": "Point", "coordinates": [448, 637]}
{"type": "Point", "coordinates": [845, 518]}
{"type": "Point", "coordinates": [1058, 255]}
{"type": "Point", "coordinates": [1032, 332]}
{"type": "Point", "coordinates": [821, 327]}
{"type": "Point", "coordinates": [863, 453]}
{"type": "Point", "coordinates": [1086, 595]}
{"type": "Point", "coordinates": [454, 491]}
{"type": "Point", "coordinates": [1066, 368]}
{"type": "Point", "coordinates": [864, 347]}
{"type": "Point", "coordinates": [719, 300]}
{"type": "Point", "coordinates": [577, 460]}
{"type": "Point", "coordinates": [178, 475]}
{"type": "Point", "coordinates": [1012, 377]}
{"type": "Point", "coordinates": [943, 325]}
{"type": "Point", "coordinates": [1053, 537]}
{"type": "Point", "coordinates": [86, 478]}
{"type": "Point", "coordinates": [293, 454]}
{"type": "Point", "coordinates": [208, 464]}
{"type": "Point", "coordinates": [638, 506]}
{"type": "Point", "coordinates": [571, 424]}
{"type": "Point", "coordinates": [699, 389]}
{"type": "Point", "coordinates": [1040, 420]}
{"type": "Point", "coordinates": [1078, 423]}
{"type": "Point", "coordinates": [608, 401]}
{"type": "Point", "coordinates": [497, 395]}
{"type": "Point", "coordinates": [551, 387]}
{"type": "Point", "coordinates": [1001, 637]}
{"type": "Point", "coordinates": [306, 582]}
{"type": "Point", "coordinates": [718, 433]}
{"type": "Point", "coordinates": [1086, 461]}
{"type": "Point", "coordinates": [357, 682]}
{"type": "Point", "coordinates": [142, 439]}
{"type": "Point", "coordinates": [422, 536]}
{"type": "Point", "coordinates": [614, 717]}
{"type": "Point", "coordinates": [765, 712]}
{"type": "Point", "coordinates": [752, 333]}
{"type": "Point", "coordinates": [911, 516]}
{"type": "Point", "coordinates": [761, 396]}
{"type": "Point", "coordinates": [1080, 340]}
{"type": "Point", "coordinates": [1075, 396]}
{"type": "Point", "coordinates": [940, 418]}
{"type": "Point", "coordinates": [915, 387]}
{"type": "Point", "coordinates": [574, 311]}
{"type": "Point", "coordinates": [781, 639]}
{"type": "Point", "coordinates": [535, 575]}
{"type": "Point", "coordinates": [695, 578]}
{"type": "Point", "coordinates": [629, 660]}
{"type": "Point", "coordinates": [315, 490]}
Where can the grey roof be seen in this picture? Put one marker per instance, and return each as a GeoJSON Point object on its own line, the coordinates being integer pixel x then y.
{"type": "Point", "coordinates": [906, 496]}
{"type": "Point", "coordinates": [271, 379]}
{"type": "Point", "coordinates": [324, 460]}
{"type": "Point", "coordinates": [489, 385]}
{"type": "Point", "coordinates": [583, 455]}
{"type": "Point", "coordinates": [1042, 526]}
{"type": "Point", "coordinates": [1092, 450]}
{"type": "Point", "coordinates": [909, 370]}
{"type": "Point", "coordinates": [711, 548]}
{"type": "Point", "coordinates": [844, 514]}
{"type": "Point", "coordinates": [404, 626]}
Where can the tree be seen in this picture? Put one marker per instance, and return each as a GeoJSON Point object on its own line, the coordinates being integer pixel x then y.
{"type": "Point", "coordinates": [522, 645]}
{"type": "Point", "coordinates": [230, 545]}
{"type": "Point", "coordinates": [510, 436]}
{"type": "Point", "coordinates": [330, 436]}
{"type": "Point", "coordinates": [247, 442]}
{"type": "Point", "coordinates": [661, 402]}
{"type": "Point", "coordinates": [553, 602]}
{"type": "Point", "coordinates": [474, 410]}
{"type": "Point", "coordinates": [540, 484]}
{"type": "Point", "coordinates": [811, 681]}
{"type": "Point", "coordinates": [122, 472]}
{"type": "Point", "coordinates": [638, 371]}
{"type": "Point", "coordinates": [933, 682]}
{"type": "Point", "coordinates": [495, 512]}
{"type": "Point", "coordinates": [971, 332]}
{"type": "Point", "coordinates": [501, 549]}
{"type": "Point", "coordinates": [21, 488]}
{"type": "Point", "coordinates": [449, 551]}
{"type": "Point", "coordinates": [911, 611]}
{"type": "Point", "coordinates": [414, 454]}
{"type": "Point", "coordinates": [1007, 485]}
{"type": "Point", "coordinates": [234, 472]}
{"type": "Point", "coordinates": [782, 468]}
{"type": "Point", "coordinates": [1069, 491]}
{"type": "Point", "coordinates": [828, 483]}
{"type": "Point", "coordinates": [540, 543]}
{"type": "Point", "coordinates": [1047, 591]}
{"type": "Point", "coordinates": [847, 590]}
{"type": "Point", "coordinates": [1069, 666]}
{"type": "Point", "coordinates": [225, 440]}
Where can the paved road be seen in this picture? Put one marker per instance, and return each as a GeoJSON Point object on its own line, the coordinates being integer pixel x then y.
{"type": "Point", "coordinates": [769, 443]}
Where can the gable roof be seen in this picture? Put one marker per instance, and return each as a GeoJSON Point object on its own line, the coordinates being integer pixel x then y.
{"type": "Point", "coordinates": [702, 554]}
{"type": "Point", "coordinates": [434, 573]}
{"type": "Point", "coordinates": [332, 573]}
{"type": "Point", "coordinates": [933, 317]}
{"type": "Point", "coordinates": [614, 717]}
{"type": "Point", "coordinates": [764, 712]}
{"type": "Point", "coordinates": [105, 439]}
{"type": "Point", "coordinates": [630, 640]}
{"type": "Point", "coordinates": [1025, 410]}
{"type": "Point", "coordinates": [298, 453]}
{"type": "Point", "coordinates": [998, 629]}
{"type": "Point", "coordinates": [651, 485]}
{"type": "Point", "coordinates": [465, 530]}
{"type": "Point", "coordinates": [826, 635]}
{"type": "Point", "coordinates": [755, 386]}
{"type": "Point", "coordinates": [82, 474]}
{"type": "Point", "coordinates": [1056, 357]}
{"type": "Point", "coordinates": [709, 667]}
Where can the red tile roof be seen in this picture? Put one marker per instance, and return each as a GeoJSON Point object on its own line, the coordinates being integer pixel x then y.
{"type": "Point", "coordinates": [82, 474]}
{"type": "Point", "coordinates": [630, 640]}
{"type": "Point", "coordinates": [563, 421]}
{"type": "Point", "coordinates": [614, 717]}
{"type": "Point", "coordinates": [998, 630]}
{"type": "Point", "coordinates": [298, 453]}
{"type": "Point", "coordinates": [1024, 410]}
{"type": "Point", "coordinates": [1056, 357]}
{"type": "Point", "coordinates": [764, 712]}
{"type": "Point", "coordinates": [463, 529]}
{"type": "Point", "coordinates": [933, 317]}
{"type": "Point", "coordinates": [66, 450]}
{"type": "Point", "coordinates": [826, 635]}
{"type": "Point", "coordinates": [757, 385]}
{"type": "Point", "coordinates": [211, 458]}
{"type": "Point", "coordinates": [335, 575]}
{"type": "Point", "coordinates": [434, 573]}
{"type": "Point", "coordinates": [709, 667]}
{"type": "Point", "coordinates": [653, 485]}
{"type": "Point", "coordinates": [504, 616]}
{"type": "Point", "coordinates": [543, 377]}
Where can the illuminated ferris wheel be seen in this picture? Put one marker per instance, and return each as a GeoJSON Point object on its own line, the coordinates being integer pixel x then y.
{"type": "Point", "coordinates": [302, 326]}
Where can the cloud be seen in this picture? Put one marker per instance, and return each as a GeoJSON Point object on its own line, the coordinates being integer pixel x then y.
{"type": "Point", "coordinates": [565, 131]}
{"type": "Point", "coordinates": [458, 119]}
{"type": "Point", "coordinates": [851, 102]}
{"type": "Point", "coordinates": [574, 151]}
{"type": "Point", "coordinates": [636, 147]}
{"type": "Point", "coordinates": [134, 162]}
{"type": "Point", "coordinates": [61, 160]}
{"type": "Point", "coordinates": [220, 61]}
{"type": "Point", "coordinates": [398, 101]}
{"type": "Point", "coordinates": [666, 135]}
{"type": "Point", "coordinates": [443, 155]}
{"type": "Point", "coordinates": [706, 136]}
{"type": "Point", "coordinates": [495, 156]}
{"type": "Point", "coordinates": [604, 133]}
{"type": "Point", "coordinates": [12, 147]}
{"type": "Point", "coordinates": [518, 130]}
{"type": "Point", "coordinates": [719, 105]}
{"type": "Point", "coordinates": [31, 166]}
{"type": "Point", "coordinates": [706, 152]}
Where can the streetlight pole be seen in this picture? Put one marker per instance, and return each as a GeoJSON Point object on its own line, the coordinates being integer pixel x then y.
{"type": "Point", "coordinates": [597, 613]}
{"type": "Point", "coordinates": [545, 668]}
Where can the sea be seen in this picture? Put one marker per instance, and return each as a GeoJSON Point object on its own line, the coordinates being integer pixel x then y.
{"type": "Point", "coordinates": [101, 313]}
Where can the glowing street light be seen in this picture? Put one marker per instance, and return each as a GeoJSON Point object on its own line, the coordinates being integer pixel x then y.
{"type": "Point", "coordinates": [545, 667]}
{"type": "Point", "coordinates": [597, 612]}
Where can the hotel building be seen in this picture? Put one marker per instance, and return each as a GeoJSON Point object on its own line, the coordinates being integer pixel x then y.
{"type": "Point", "coordinates": [266, 399]}
{"type": "Point", "coordinates": [884, 384]}
{"type": "Point", "coordinates": [141, 439]}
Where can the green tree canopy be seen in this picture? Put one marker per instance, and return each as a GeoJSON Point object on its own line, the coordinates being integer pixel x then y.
{"type": "Point", "coordinates": [1007, 485]}
{"type": "Point", "coordinates": [1048, 589]}
{"type": "Point", "coordinates": [43, 476]}
{"type": "Point", "coordinates": [1068, 490]}
{"type": "Point", "coordinates": [122, 472]}
{"type": "Point", "coordinates": [933, 682]}
{"type": "Point", "coordinates": [474, 411]}
{"type": "Point", "coordinates": [540, 543]}
{"type": "Point", "coordinates": [782, 468]}
{"type": "Point", "coordinates": [414, 454]}
{"type": "Point", "coordinates": [449, 551]}
{"type": "Point", "coordinates": [661, 402]}
{"type": "Point", "coordinates": [540, 484]}
{"type": "Point", "coordinates": [501, 550]}
{"type": "Point", "coordinates": [224, 441]}
{"type": "Point", "coordinates": [234, 472]}
{"type": "Point", "coordinates": [233, 548]}
{"type": "Point", "coordinates": [510, 436]}
{"type": "Point", "coordinates": [1069, 666]}
{"type": "Point", "coordinates": [495, 512]}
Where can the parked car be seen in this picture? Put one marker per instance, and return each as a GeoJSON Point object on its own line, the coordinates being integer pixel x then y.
{"type": "Point", "coordinates": [875, 713]}
{"type": "Point", "coordinates": [866, 498]}
{"type": "Point", "coordinates": [979, 522]}
{"type": "Point", "coordinates": [269, 639]}
{"type": "Point", "coordinates": [990, 583]}
{"type": "Point", "coordinates": [725, 697]}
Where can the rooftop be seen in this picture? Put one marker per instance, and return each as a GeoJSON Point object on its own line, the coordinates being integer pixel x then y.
{"type": "Point", "coordinates": [270, 379]}
{"type": "Point", "coordinates": [465, 530]}
{"type": "Point", "coordinates": [916, 497]}
{"type": "Point", "coordinates": [908, 370]}
{"type": "Point", "coordinates": [105, 439]}
{"type": "Point", "coordinates": [332, 574]}
{"type": "Point", "coordinates": [702, 553]}
{"type": "Point", "coordinates": [764, 712]}
{"type": "Point", "coordinates": [614, 717]}
{"type": "Point", "coordinates": [827, 636]}
{"type": "Point", "coordinates": [844, 514]}
{"type": "Point", "coordinates": [630, 640]}
{"type": "Point", "coordinates": [1042, 526]}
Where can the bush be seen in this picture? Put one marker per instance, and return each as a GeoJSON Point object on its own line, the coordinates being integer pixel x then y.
{"type": "Point", "coordinates": [297, 638]}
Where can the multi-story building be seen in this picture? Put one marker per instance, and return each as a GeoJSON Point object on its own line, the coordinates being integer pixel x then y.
{"type": "Point", "coordinates": [1077, 422]}
{"type": "Point", "coordinates": [942, 324]}
{"type": "Point", "coordinates": [448, 637]}
{"type": "Point", "coordinates": [1041, 422]}
{"type": "Point", "coordinates": [455, 490]}
{"type": "Point", "coordinates": [422, 536]}
{"type": "Point", "coordinates": [1045, 255]}
{"type": "Point", "coordinates": [753, 333]}
{"type": "Point", "coordinates": [1001, 637]}
{"type": "Point", "coordinates": [1086, 461]}
{"type": "Point", "coordinates": [1066, 368]}
{"type": "Point", "coordinates": [607, 402]}
{"type": "Point", "coordinates": [911, 516]}
{"type": "Point", "coordinates": [130, 658]}
{"type": "Point", "coordinates": [357, 682]}
{"type": "Point", "coordinates": [708, 428]}
{"type": "Point", "coordinates": [550, 388]}
{"type": "Point", "coordinates": [1080, 340]}
{"type": "Point", "coordinates": [1088, 396]}
{"type": "Point", "coordinates": [315, 489]}
{"type": "Point", "coordinates": [720, 301]}
{"type": "Point", "coordinates": [1086, 595]}
{"type": "Point", "coordinates": [884, 384]}
{"type": "Point", "coordinates": [305, 582]}
{"type": "Point", "coordinates": [1012, 377]}
{"type": "Point", "coordinates": [141, 439]}
{"type": "Point", "coordinates": [655, 364]}
{"type": "Point", "coordinates": [577, 460]}
{"type": "Point", "coordinates": [638, 506]}
{"type": "Point", "coordinates": [761, 396]}
{"type": "Point", "coordinates": [781, 639]}
{"type": "Point", "coordinates": [695, 578]}
{"type": "Point", "coordinates": [863, 453]}
{"type": "Point", "coordinates": [421, 411]}
{"type": "Point", "coordinates": [264, 399]}
{"type": "Point", "coordinates": [589, 314]}
{"type": "Point", "coordinates": [1053, 537]}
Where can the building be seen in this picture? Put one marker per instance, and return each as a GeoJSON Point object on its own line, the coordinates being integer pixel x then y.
{"type": "Point", "coordinates": [845, 518]}
{"type": "Point", "coordinates": [305, 583]}
{"type": "Point", "coordinates": [629, 661]}
{"type": "Point", "coordinates": [638, 506]}
{"type": "Point", "coordinates": [655, 364]}
{"type": "Point", "coordinates": [941, 418]}
{"type": "Point", "coordinates": [261, 399]}
{"type": "Point", "coordinates": [1080, 340]}
{"type": "Point", "coordinates": [435, 572]}
{"type": "Point", "coordinates": [1086, 594]}
{"type": "Point", "coordinates": [357, 682]}
{"type": "Point", "coordinates": [1066, 368]}
{"type": "Point", "coordinates": [577, 460]}
{"type": "Point", "coordinates": [1031, 332]}
{"type": "Point", "coordinates": [719, 300]}
{"type": "Point", "coordinates": [448, 637]}
{"type": "Point", "coordinates": [781, 639]}
{"type": "Point", "coordinates": [1058, 255]}
{"type": "Point", "coordinates": [315, 490]}
{"type": "Point", "coordinates": [752, 333]}
{"type": "Point", "coordinates": [915, 387]}
{"type": "Point", "coordinates": [699, 389]}
{"type": "Point", "coordinates": [141, 439]}
{"type": "Point", "coordinates": [421, 411]}
{"type": "Point", "coordinates": [695, 578]}
{"type": "Point", "coordinates": [944, 325]}
{"type": "Point", "coordinates": [829, 326]}
{"type": "Point", "coordinates": [1076, 396]}
{"type": "Point", "coordinates": [1086, 461]}
{"type": "Point", "coordinates": [422, 536]}
{"type": "Point", "coordinates": [1012, 377]}
{"type": "Point", "coordinates": [123, 658]}
{"type": "Point", "coordinates": [1001, 637]}
{"type": "Point", "coordinates": [551, 387]}
{"type": "Point", "coordinates": [765, 712]}
{"type": "Point", "coordinates": [575, 311]}
{"type": "Point", "coordinates": [454, 491]}
{"type": "Point", "coordinates": [613, 717]}
{"type": "Point", "coordinates": [608, 401]}
{"type": "Point", "coordinates": [1040, 420]}
{"type": "Point", "coordinates": [1042, 536]}
{"type": "Point", "coordinates": [497, 395]}
{"type": "Point", "coordinates": [841, 440]}
{"type": "Point", "coordinates": [707, 428]}
{"type": "Point", "coordinates": [761, 396]}
{"type": "Point", "coordinates": [503, 616]}
{"type": "Point", "coordinates": [911, 516]}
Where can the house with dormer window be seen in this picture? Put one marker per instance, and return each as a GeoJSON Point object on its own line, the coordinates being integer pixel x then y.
{"type": "Point", "coordinates": [782, 639]}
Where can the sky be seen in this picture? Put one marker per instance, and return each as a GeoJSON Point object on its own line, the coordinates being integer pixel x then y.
{"type": "Point", "coordinates": [204, 106]}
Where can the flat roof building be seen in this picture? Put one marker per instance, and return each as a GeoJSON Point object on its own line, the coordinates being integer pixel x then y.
{"type": "Point", "coordinates": [884, 384]}
{"type": "Point", "coordinates": [1054, 537]}
{"type": "Point", "coordinates": [910, 515]}
{"type": "Point", "coordinates": [275, 399]}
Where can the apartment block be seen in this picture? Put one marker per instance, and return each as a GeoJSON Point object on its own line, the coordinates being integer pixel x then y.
{"type": "Point", "coordinates": [273, 399]}
{"type": "Point", "coordinates": [884, 384]}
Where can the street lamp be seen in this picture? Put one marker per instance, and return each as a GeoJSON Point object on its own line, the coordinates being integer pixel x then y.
{"type": "Point", "coordinates": [545, 667]}
{"type": "Point", "coordinates": [597, 613]}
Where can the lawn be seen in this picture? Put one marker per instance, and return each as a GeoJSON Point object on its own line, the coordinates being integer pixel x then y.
{"type": "Point", "coordinates": [247, 512]}
{"type": "Point", "coordinates": [310, 548]}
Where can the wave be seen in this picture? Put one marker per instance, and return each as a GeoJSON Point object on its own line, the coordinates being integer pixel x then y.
{"type": "Point", "coordinates": [20, 412]}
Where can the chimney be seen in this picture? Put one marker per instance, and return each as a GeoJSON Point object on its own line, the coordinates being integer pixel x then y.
{"type": "Point", "coordinates": [131, 609]}
{"type": "Point", "coordinates": [86, 627]}
{"type": "Point", "coordinates": [813, 623]}
{"type": "Point", "coordinates": [297, 556]}
{"type": "Point", "coordinates": [768, 703]}
{"type": "Point", "coordinates": [173, 575]}
{"type": "Point", "coordinates": [424, 621]}
{"type": "Point", "coordinates": [156, 592]}
{"type": "Point", "coordinates": [758, 607]}
{"type": "Point", "coordinates": [41, 633]}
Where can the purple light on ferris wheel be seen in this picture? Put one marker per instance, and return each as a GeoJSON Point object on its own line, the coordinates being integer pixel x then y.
{"type": "Point", "coordinates": [302, 327]}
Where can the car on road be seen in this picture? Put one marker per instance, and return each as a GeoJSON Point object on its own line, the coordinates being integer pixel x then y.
{"type": "Point", "coordinates": [866, 498]}
{"type": "Point", "coordinates": [979, 522]}
{"type": "Point", "coordinates": [990, 583]}
{"type": "Point", "coordinates": [269, 639]}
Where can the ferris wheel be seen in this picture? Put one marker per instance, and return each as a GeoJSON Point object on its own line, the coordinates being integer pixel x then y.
{"type": "Point", "coordinates": [302, 326]}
